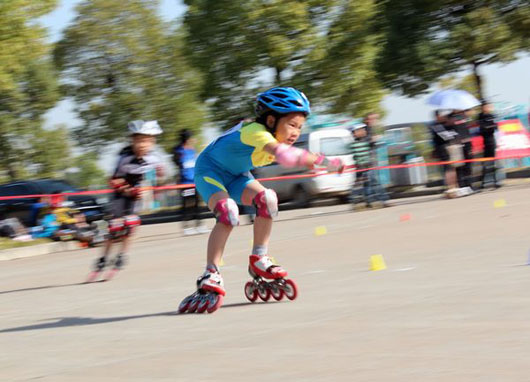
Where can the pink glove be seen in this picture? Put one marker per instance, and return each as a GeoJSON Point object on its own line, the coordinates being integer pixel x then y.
{"type": "Point", "coordinates": [332, 165]}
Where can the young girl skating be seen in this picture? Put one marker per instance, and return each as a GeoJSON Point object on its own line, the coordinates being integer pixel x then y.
{"type": "Point", "coordinates": [223, 179]}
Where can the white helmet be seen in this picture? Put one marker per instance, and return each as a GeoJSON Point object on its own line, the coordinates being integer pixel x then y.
{"type": "Point", "coordinates": [358, 126]}
{"type": "Point", "coordinates": [144, 127]}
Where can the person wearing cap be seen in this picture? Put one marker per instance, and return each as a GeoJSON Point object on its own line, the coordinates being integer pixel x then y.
{"type": "Point", "coordinates": [184, 156]}
{"type": "Point", "coordinates": [366, 184]}
{"type": "Point", "coordinates": [135, 160]}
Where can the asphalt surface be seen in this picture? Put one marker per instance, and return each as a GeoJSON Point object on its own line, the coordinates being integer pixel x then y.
{"type": "Point", "coordinates": [452, 305]}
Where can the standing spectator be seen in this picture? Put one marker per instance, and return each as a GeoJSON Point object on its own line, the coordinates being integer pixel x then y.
{"type": "Point", "coordinates": [184, 156]}
{"type": "Point", "coordinates": [488, 127]}
{"type": "Point", "coordinates": [371, 120]}
{"type": "Point", "coordinates": [459, 120]}
{"type": "Point", "coordinates": [442, 137]}
{"type": "Point", "coordinates": [366, 184]}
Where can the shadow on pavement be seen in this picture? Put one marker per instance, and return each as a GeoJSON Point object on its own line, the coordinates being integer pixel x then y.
{"type": "Point", "coordinates": [40, 288]}
{"type": "Point", "coordinates": [83, 321]}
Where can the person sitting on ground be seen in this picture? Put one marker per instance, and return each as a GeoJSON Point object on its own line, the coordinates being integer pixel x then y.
{"type": "Point", "coordinates": [13, 229]}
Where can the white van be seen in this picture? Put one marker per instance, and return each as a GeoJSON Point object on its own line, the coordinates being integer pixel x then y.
{"type": "Point", "coordinates": [332, 142]}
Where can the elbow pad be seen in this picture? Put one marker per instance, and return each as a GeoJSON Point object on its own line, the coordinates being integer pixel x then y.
{"type": "Point", "coordinates": [289, 156]}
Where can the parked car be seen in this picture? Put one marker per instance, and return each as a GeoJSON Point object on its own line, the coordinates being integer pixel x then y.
{"type": "Point", "coordinates": [21, 207]}
{"type": "Point", "coordinates": [331, 142]}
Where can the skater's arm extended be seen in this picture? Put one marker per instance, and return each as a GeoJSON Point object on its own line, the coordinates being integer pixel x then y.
{"type": "Point", "coordinates": [289, 156]}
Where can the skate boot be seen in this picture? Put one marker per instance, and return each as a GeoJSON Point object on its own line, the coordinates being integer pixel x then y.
{"type": "Point", "coordinates": [118, 264]}
{"type": "Point", "coordinates": [209, 294]}
{"type": "Point", "coordinates": [99, 265]}
{"type": "Point", "coordinates": [262, 269]}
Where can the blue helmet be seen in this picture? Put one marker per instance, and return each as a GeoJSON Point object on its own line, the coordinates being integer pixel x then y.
{"type": "Point", "coordinates": [282, 100]}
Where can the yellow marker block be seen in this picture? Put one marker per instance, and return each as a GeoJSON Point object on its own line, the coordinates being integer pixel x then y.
{"type": "Point", "coordinates": [377, 263]}
{"type": "Point", "coordinates": [222, 263]}
{"type": "Point", "coordinates": [499, 203]}
{"type": "Point", "coordinates": [273, 260]}
{"type": "Point", "coordinates": [321, 230]}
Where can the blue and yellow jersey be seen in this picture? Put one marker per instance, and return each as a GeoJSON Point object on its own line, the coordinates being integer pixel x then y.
{"type": "Point", "coordinates": [240, 149]}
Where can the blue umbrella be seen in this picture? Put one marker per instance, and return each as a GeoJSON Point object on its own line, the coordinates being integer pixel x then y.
{"type": "Point", "coordinates": [453, 99]}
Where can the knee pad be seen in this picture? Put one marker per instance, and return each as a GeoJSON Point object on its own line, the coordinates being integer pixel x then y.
{"type": "Point", "coordinates": [116, 228]}
{"type": "Point", "coordinates": [116, 225]}
{"type": "Point", "coordinates": [131, 222]}
{"type": "Point", "coordinates": [226, 212]}
{"type": "Point", "coordinates": [266, 203]}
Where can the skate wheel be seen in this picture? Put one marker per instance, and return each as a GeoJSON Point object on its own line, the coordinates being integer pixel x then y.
{"type": "Point", "coordinates": [110, 274]}
{"type": "Point", "coordinates": [276, 292]}
{"type": "Point", "coordinates": [250, 291]}
{"type": "Point", "coordinates": [204, 302]}
{"type": "Point", "coordinates": [185, 304]}
{"type": "Point", "coordinates": [192, 307]}
{"type": "Point", "coordinates": [291, 290]}
{"type": "Point", "coordinates": [92, 276]}
{"type": "Point", "coordinates": [264, 293]}
{"type": "Point", "coordinates": [215, 302]}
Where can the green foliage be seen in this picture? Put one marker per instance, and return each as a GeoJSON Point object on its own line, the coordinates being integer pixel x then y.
{"type": "Point", "coordinates": [326, 48]}
{"type": "Point", "coordinates": [50, 152]}
{"type": "Point", "coordinates": [426, 40]}
{"type": "Point", "coordinates": [87, 173]}
{"type": "Point", "coordinates": [120, 62]}
{"type": "Point", "coordinates": [467, 83]}
{"type": "Point", "coordinates": [28, 85]}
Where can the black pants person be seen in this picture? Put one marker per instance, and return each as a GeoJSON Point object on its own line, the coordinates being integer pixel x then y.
{"type": "Point", "coordinates": [464, 172]}
{"type": "Point", "coordinates": [489, 166]}
{"type": "Point", "coordinates": [190, 206]}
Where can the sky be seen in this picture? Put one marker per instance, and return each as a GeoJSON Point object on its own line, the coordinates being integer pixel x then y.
{"type": "Point", "coordinates": [503, 83]}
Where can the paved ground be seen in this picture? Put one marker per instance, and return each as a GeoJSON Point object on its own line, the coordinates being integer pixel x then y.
{"type": "Point", "coordinates": [453, 305]}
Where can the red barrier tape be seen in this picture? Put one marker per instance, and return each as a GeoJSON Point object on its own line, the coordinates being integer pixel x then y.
{"type": "Point", "coordinates": [348, 169]}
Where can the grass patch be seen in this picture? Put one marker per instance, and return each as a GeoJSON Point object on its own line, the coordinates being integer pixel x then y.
{"type": "Point", "coordinates": [6, 243]}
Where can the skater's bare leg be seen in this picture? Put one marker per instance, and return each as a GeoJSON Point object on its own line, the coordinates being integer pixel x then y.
{"type": "Point", "coordinates": [106, 248]}
{"type": "Point", "coordinates": [125, 244]}
{"type": "Point", "coordinates": [219, 234]}
{"type": "Point", "coordinates": [262, 225]}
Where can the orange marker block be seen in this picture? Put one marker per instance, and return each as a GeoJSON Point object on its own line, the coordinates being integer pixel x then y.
{"type": "Point", "coordinates": [404, 218]}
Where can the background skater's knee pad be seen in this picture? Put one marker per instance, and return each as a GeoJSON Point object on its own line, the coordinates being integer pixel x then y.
{"type": "Point", "coordinates": [226, 212]}
{"type": "Point", "coordinates": [266, 203]}
{"type": "Point", "coordinates": [131, 222]}
{"type": "Point", "coordinates": [116, 228]}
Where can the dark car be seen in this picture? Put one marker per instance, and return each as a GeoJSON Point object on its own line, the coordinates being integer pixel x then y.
{"type": "Point", "coordinates": [21, 207]}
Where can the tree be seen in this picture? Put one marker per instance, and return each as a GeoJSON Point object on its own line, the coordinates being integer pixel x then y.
{"type": "Point", "coordinates": [28, 85]}
{"type": "Point", "coordinates": [467, 83]}
{"type": "Point", "coordinates": [120, 62]}
{"type": "Point", "coordinates": [86, 172]}
{"type": "Point", "coordinates": [323, 47]}
{"type": "Point", "coordinates": [426, 40]}
{"type": "Point", "coordinates": [50, 152]}
{"type": "Point", "coordinates": [346, 74]}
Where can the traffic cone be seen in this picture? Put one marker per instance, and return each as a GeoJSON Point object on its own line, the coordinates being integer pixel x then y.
{"type": "Point", "coordinates": [404, 218]}
{"type": "Point", "coordinates": [321, 230]}
{"type": "Point", "coordinates": [499, 203]}
{"type": "Point", "coordinates": [377, 263]}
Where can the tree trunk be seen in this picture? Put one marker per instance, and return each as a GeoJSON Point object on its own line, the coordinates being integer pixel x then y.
{"type": "Point", "coordinates": [278, 78]}
{"type": "Point", "coordinates": [478, 81]}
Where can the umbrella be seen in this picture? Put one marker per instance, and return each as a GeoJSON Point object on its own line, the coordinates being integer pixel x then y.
{"type": "Point", "coordinates": [453, 99]}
